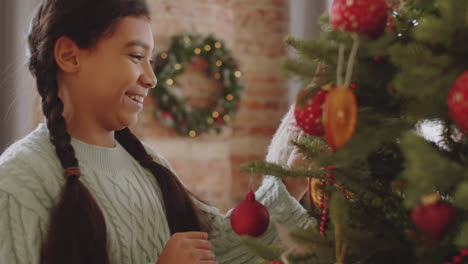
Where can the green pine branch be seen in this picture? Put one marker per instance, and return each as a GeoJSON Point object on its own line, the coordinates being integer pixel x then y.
{"type": "Point", "coordinates": [266, 252]}
{"type": "Point", "coordinates": [402, 80]}
{"type": "Point", "coordinates": [267, 168]}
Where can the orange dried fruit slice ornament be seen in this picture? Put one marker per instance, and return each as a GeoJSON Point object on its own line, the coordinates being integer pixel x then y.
{"type": "Point", "coordinates": [339, 117]}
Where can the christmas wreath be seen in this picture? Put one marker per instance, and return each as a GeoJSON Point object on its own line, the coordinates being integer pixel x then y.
{"type": "Point", "coordinates": [210, 55]}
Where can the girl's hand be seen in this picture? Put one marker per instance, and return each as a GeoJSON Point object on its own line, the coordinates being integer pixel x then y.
{"type": "Point", "coordinates": [297, 187]}
{"type": "Point", "coordinates": [187, 248]}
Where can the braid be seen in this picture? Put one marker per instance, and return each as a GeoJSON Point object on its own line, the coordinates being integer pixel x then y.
{"type": "Point", "coordinates": [52, 107]}
{"type": "Point", "coordinates": [77, 231]}
{"type": "Point", "coordinates": [181, 212]}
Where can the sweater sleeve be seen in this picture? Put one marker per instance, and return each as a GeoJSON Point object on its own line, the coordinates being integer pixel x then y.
{"type": "Point", "coordinates": [282, 207]}
{"type": "Point", "coordinates": [20, 235]}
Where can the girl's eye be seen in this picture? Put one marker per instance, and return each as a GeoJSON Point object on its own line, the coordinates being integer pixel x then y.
{"type": "Point", "coordinates": [137, 57]}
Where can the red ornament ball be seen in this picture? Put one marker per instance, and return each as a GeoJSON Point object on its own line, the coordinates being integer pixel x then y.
{"type": "Point", "coordinates": [368, 17]}
{"type": "Point", "coordinates": [457, 101]}
{"type": "Point", "coordinates": [457, 259]}
{"type": "Point", "coordinates": [434, 219]}
{"type": "Point", "coordinates": [309, 114]}
{"type": "Point", "coordinates": [250, 217]}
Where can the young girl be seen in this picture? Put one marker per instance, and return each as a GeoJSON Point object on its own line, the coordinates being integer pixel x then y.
{"type": "Point", "coordinates": [82, 188]}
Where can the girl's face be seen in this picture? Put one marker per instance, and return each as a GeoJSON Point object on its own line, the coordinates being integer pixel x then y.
{"type": "Point", "coordinates": [115, 76]}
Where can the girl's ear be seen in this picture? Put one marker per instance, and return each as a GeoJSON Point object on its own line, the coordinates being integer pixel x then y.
{"type": "Point", "coordinates": [66, 54]}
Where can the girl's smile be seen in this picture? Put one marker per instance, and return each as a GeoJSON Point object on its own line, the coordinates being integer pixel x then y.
{"type": "Point", "coordinates": [106, 89]}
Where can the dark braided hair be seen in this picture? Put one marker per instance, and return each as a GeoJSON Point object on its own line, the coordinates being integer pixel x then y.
{"type": "Point", "coordinates": [77, 230]}
{"type": "Point", "coordinates": [187, 217]}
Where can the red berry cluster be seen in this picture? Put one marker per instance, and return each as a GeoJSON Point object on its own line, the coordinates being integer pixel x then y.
{"type": "Point", "coordinates": [330, 176]}
{"type": "Point", "coordinates": [459, 258]}
{"type": "Point", "coordinates": [323, 199]}
{"type": "Point", "coordinates": [344, 191]}
{"type": "Point", "coordinates": [324, 208]}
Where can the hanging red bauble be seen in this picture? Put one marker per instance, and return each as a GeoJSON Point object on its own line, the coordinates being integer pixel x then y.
{"type": "Point", "coordinates": [250, 217]}
{"type": "Point", "coordinates": [339, 117]}
{"type": "Point", "coordinates": [434, 218]}
{"type": "Point", "coordinates": [368, 17]}
{"type": "Point", "coordinates": [308, 111]}
{"type": "Point", "coordinates": [457, 101]}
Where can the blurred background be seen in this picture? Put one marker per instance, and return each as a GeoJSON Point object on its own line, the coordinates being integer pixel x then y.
{"type": "Point", "coordinates": [208, 164]}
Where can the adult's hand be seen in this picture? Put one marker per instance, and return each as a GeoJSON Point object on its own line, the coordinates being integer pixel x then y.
{"type": "Point", "coordinates": [297, 187]}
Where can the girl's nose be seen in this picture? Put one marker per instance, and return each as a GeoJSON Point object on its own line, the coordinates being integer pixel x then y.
{"type": "Point", "coordinates": [148, 79]}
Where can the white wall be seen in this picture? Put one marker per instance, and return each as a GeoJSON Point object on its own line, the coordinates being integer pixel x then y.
{"type": "Point", "coordinates": [16, 85]}
{"type": "Point", "coordinates": [304, 16]}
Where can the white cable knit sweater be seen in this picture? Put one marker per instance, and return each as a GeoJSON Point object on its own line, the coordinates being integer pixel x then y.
{"type": "Point", "coordinates": [31, 178]}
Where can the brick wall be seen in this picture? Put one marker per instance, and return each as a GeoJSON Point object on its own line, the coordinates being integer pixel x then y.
{"type": "Point", "coordinates": [254, 31]}
{"type": "Point", "coordinates": [261, 27]}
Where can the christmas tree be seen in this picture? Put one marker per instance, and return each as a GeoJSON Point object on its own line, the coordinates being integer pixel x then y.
{"type": "Point", "coordinates": [381, 192]}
